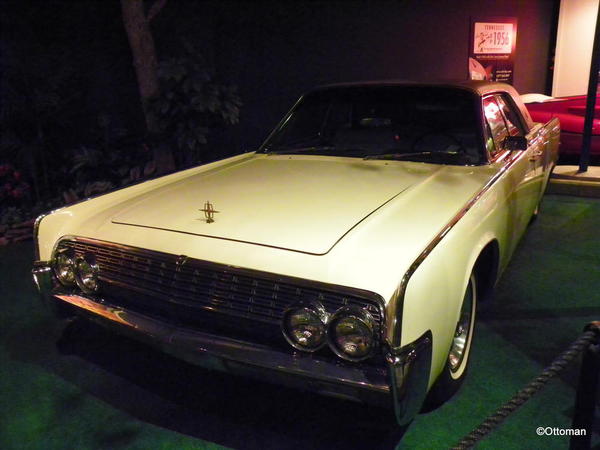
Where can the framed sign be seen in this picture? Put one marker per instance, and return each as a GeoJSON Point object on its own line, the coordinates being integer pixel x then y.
{"type": "Point", "coordinates": [492, 48]}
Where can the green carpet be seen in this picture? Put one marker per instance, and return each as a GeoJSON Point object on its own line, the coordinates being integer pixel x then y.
{"type": "Point", "coordinates": [84, 388]}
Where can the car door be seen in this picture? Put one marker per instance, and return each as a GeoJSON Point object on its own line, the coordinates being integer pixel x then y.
{"type": "Point", "coordinates": [536, 139]}
{"type": "Point", "coordinates": [522, 183]}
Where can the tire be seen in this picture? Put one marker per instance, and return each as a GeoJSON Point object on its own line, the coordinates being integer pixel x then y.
{"type": "Point", "coordinates": [457, 361]}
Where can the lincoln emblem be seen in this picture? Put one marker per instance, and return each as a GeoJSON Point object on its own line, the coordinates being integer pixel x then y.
{"type": "Point", "coordinates": [209, 212]}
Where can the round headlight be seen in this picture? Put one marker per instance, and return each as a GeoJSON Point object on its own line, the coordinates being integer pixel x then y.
{"type": "Point", "coordinates": [351, 333]}
{"type": "Point", "coordinates": [86, 273]}
{"type": "Point", "coordinates": [305, 325]}
{"type": "Point", "coordinates": [64, 267]}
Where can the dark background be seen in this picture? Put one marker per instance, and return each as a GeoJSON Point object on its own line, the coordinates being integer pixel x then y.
{"type": "Point", "coordinates": [273, 51]}
{"type": "Point", "coordinates": [72, 123]}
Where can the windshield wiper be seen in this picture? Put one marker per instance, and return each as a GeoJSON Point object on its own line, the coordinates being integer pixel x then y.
{"type": "Point", "coordinates": [286, 151]}
{"type": "Point", "coordinates": [404, 155]}
{"type": "Point", "coordinates": [396, 155]}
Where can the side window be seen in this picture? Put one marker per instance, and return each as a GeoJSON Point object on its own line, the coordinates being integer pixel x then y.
{"type": "Point", "coordinates": [496, 125]}
{"type": "Point", "coordinates": [511, 117]}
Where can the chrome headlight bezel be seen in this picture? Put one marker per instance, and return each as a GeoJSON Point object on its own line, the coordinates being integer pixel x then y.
{"type": "Point", "coordinates": [86, 273]}
{"type": "Point", "coordinates": [317, 313]}
{"type": "Point", "coordinates": [63, 266]}
{"type": "Point", "coordinates": [363, 322]}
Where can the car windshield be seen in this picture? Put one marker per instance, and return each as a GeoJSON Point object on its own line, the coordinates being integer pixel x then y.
{"type": "Point", "coordinates": [418, 123]}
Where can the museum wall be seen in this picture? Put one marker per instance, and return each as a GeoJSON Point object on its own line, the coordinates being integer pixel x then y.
{"type": "Point", "coordinates": [575, 39]}
{"type": "Point", "coordinates": [272, 50]}
{"type": "Point", "coordinates": [275, 51]}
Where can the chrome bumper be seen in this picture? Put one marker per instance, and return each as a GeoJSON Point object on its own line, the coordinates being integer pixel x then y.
{"type": "Point", "coordinates": [405, 377]}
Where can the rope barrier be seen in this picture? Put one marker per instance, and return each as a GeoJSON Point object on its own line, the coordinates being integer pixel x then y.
{"type": "Point", "coordinates": [590, 336]}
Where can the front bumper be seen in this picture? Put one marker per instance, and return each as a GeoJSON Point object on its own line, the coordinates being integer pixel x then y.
{"type": "Point", "coordinates": [403, 383]}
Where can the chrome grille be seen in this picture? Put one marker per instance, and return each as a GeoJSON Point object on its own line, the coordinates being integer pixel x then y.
{"type": "Point", "coordinates": [209, 287]}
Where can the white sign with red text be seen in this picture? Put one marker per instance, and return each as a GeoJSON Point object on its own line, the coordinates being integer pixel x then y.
{"type": "Point", "coordinates": [492, 38]}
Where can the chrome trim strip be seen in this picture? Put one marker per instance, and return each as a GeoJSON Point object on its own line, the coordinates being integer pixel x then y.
{"type": "Point", "coordinates": [42, 277]}
{"type": "Point", "coordinates": [396, 308]}
{"type": "Point", "coordinates": [409, 369]}
{"type": "Point", "coordinates": [36, 230]}
{"type": "Point", "coordinates": [197, 347]}
{"type": "Point", "coordinates": [264, 146]}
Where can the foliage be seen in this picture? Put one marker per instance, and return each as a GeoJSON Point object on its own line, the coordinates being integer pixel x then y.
{"type": "Point", "coordinates": [38, 96]}
{"type": "Point", "coordinates": [112, 159]}
{"type": "Point", "coordinates": [16, 203]}
{"type": "Point", "coordinates": [49, 154]}
{"type": "Point", "coordinates": [190, 103]}
{"type": "Point", "coordinates": [11, 215]}
{"type": "Point", "coordinates": [13, 189]}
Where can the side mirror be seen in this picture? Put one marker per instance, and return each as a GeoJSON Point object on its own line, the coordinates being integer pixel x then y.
{"type": "Point", "coordinates": [518, 143]}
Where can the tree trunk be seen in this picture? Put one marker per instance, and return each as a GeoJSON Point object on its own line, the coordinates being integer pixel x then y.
{"type": "Point", "coordinates": [142, 50]}
{"type": "Point", "coordinates": [141, 42]}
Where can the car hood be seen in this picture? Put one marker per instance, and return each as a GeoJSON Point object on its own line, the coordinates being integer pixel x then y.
{"type": "Point", "coordinates": [300, 203]}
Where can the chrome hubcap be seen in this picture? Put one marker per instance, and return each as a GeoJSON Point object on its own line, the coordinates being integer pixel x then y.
{"type": "Point", "coordinates": [463, 327]}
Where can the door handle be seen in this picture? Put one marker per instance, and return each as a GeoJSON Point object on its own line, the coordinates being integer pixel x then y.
{"type": "Point", "coordinates": [535, 154]}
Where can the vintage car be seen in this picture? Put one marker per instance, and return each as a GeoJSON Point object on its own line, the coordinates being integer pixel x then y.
{"type": "Point", "coordinates": [571, 113]}
{"type": "Point", "coordinates": [346, 256]}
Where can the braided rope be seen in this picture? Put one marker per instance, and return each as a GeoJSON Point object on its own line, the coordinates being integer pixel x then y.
{"type": "Point", "coordinates": [494, 420]}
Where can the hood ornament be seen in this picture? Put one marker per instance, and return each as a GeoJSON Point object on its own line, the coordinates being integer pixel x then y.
{"type": "Point", "coordinates": [209, 212]}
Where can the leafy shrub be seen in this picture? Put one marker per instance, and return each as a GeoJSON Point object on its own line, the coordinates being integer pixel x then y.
{"type": "Point", "coordinates": [13, 189]}
{"type": "Point", "coordinates": [39, 95]}
{"type": "Point", "coordinates": [190, 103]}
{"type": "Point", "coordinates": [113, 159]}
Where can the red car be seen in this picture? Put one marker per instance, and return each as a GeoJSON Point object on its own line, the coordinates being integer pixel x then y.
{"type": "Point", "coordinates": [571, 112]}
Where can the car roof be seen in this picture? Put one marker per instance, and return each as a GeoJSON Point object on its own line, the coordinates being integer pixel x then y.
{"type": "Point", "coordinates": [476, 86]}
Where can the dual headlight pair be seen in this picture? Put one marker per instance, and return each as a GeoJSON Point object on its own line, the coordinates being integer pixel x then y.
{"type": "Point", "coordinates": [350, 332]}
{"type": "Point", "coordinates": [77, 270]}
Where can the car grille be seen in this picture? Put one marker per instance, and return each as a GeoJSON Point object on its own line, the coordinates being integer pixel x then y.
{"type": "Point", "coordinates": [182, 288]}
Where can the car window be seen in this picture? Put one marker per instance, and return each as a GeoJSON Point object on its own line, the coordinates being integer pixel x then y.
{"type": "Point", "coordinates": [490, 146]}
{"type": "Point", "coordinates": [421, 123]}
{"type": "Point", "coordinates": [510, 116]}
{"type": "Point", "coordinates": [496, 124]}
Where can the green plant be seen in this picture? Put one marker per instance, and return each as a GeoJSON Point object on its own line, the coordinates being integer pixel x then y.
{"type": "Point", "coordinates": [112, 159]}
{"type": "Point", "coordinates": [13, 189]}
{"type": "Point", "coordinates": [190, 103]}
{"type": "Point", "coordinates": [38, 97]}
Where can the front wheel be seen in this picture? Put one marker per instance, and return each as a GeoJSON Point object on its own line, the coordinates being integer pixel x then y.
{"type": "Point", "coordinates": [455, 370]}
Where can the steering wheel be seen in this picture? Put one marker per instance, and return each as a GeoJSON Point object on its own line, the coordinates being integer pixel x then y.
{"type": "Point", "coordinates": [434, 141]}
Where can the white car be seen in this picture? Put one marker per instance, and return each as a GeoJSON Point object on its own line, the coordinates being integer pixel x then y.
{"type": "Point", "coordinates": [346, 256]}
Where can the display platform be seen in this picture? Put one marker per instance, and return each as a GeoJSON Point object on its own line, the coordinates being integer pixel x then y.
{"type": "Point", "coordinates": [59, 392]}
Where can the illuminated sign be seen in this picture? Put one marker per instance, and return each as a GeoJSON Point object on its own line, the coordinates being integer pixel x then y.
{"type": "Point", "coordinates": [492, 38]}
{"type": "Point", "coordinates": [492, 49]}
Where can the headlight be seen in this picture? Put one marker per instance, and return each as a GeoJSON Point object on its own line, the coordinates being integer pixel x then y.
{"type": "Point", "coordinates": [305, 325]}
{"type": "Point", "coordinates": [86, 273]}
{"type": "Point", "coordinates": [64, 267]}
{"type": "Point", "coordinates": [351, 333]}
